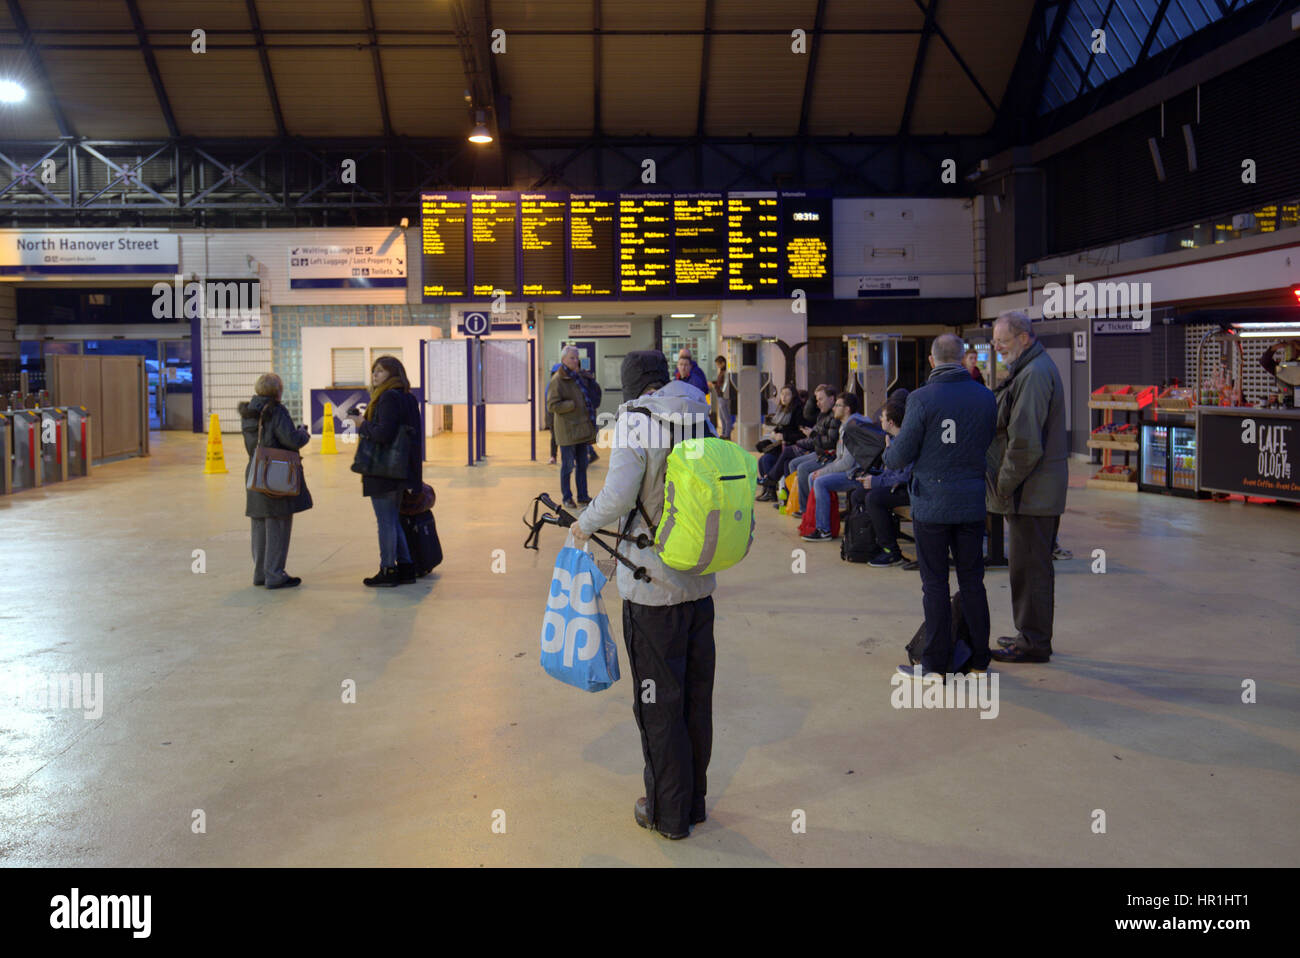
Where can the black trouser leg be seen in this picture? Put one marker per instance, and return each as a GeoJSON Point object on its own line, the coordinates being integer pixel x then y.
{"type": "Point", "coordinates": [932, 542]}
{"type": "Point", "coordinates": [880, 506]}
{"type": "Point", "coordinates": [1033, 579]}
{"type": "Point", "coordinates": [968, 557]}
{"type": "Point", "coordinates": [672, 647]}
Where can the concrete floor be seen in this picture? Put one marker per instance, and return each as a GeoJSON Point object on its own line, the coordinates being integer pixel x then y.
{"type": "Point", "coordinates": [226, 698]}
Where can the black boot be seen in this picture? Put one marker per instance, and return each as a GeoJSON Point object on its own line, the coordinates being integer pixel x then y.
{"type": "Point", "coordinates": [385, 578]}
{"type": "Point", "coordinates": [406, 573]}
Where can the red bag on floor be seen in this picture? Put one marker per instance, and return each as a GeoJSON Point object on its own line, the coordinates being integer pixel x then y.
{"type": "Point", "coordinates": [808, 525]}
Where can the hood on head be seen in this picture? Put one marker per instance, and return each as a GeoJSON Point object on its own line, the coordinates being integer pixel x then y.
{"type": "Point", "coordinates": [678, 398]}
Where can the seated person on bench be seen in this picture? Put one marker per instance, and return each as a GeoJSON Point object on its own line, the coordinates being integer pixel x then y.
{"type": "Point", "coordinates": [885, 492]}
{"type": "Point", "coordinates": [833, 477]}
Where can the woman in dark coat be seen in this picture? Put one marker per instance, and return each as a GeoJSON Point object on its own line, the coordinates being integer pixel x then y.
{"type": "Point", "coordinates": [788, 420]}
{"type": "Point", "coordinates": [272, 516]}
{"type": "Point", "coordinates": [392, 406]}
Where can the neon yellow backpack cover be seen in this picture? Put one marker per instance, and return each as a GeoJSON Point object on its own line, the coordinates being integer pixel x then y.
{"type": "Point", "coordinates": [708, 519]}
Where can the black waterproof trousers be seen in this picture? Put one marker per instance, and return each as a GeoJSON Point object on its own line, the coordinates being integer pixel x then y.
{"type": "Point", "coordinates": [671, 652]}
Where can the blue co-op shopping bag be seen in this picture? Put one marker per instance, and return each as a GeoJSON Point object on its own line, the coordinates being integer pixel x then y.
{"type": "Point", "coordinates": [577, 641]}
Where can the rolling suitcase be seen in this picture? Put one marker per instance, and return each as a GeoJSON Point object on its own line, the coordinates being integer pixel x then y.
{"type": "Point", "coordinates": [422, 540]}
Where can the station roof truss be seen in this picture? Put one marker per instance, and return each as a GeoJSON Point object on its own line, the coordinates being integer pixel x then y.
{"type": "Point", "coordinates": [187, 105]}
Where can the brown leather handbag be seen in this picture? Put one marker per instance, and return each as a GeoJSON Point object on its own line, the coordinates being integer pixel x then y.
{"type": "Point", "coordinates": [275, 472]}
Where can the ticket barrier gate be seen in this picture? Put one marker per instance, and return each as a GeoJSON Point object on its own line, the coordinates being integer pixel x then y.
{"type": "Point", "coordinates": [27, 452]}
{"type": "Point", "coordinates": [77, 439]}
{"type": "Point", "coordinates": [54, 444]}
{"type": "Point", "coordinates": [6, 452]}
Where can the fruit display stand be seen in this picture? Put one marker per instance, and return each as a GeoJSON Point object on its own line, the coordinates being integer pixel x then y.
{"type": "Point", "coordinates": [1111, 437]}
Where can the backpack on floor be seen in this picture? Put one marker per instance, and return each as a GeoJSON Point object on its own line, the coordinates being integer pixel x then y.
{"type": "Point", "coordinates": [961, 648]}
{"type": "Point", "coordinates": [859, 542]}
{"type": "Point", "coordinates": [707, 523]}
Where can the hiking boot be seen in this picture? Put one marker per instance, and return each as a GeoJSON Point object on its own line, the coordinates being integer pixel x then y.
{"type": "Point", "coordinates": [643, 819]}
{"type": "Point", "coordinates": [384, 579]}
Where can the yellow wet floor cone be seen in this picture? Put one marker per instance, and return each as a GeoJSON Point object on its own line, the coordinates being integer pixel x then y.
{"type": "Point", "coordinates": [327, 446]}
{"type": "Point", "coordinates": [216, 458]}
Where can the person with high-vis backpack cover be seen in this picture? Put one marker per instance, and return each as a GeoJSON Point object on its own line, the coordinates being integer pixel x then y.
{"type": "Point", "coordinates": [667, 621]}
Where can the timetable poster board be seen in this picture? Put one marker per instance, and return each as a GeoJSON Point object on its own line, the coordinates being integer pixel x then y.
{"type": "Point", "coordinates": [543, 228]}
{"type": "Point", "coordinates": [592, 260]}
{"type": "Point", "coordinates": [700, 244]}
{"type": "Point", "coordinates": [446, 371]}
{"type": "Point", "coordinates": [645, 244]}
{"type": "Point", "coordinates": [753, 244]}
{"type": "Point", "coordinates": [505, 370]}
{"type": "Point", "coordinates": [444, 228]}
{"type": "Point", "coordinates": [806, 243]}
{"type": "Point", "coordinates": [494, 243]}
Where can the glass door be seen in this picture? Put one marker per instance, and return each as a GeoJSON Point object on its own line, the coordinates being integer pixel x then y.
{"type": "Point", "coordinates": [1183, 457]}
{"type": "Point", "coordinates": [176, 387]}
{"type": "Point", "coordinates": [1155, 455]}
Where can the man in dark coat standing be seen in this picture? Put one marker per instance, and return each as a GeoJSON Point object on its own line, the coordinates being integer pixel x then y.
{"type": "Point", "coordinates": [1027, 476]}
{"type": "Point", "coordinates": [945, 437]}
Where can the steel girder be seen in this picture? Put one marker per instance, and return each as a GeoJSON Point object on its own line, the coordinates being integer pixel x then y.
{"type": "Point", "coordinates": [224, 182]}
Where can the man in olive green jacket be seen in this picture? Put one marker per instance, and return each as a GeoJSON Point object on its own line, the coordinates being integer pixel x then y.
{"type": "Point", "coordinates": [1028, 472]}
{"type": "Point", "coordinates": [574, 426]}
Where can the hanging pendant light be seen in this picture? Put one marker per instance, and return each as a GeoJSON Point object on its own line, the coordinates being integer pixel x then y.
{"type": "Point", "coordinates": [480, 133]}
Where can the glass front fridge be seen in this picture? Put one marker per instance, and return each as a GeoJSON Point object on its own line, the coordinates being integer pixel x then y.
{"type": "Point", "coordinates": [1168, 450]}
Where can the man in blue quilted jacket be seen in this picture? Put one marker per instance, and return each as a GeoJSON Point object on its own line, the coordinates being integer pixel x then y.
{"type": "Point", "coordinates": [949, 425]}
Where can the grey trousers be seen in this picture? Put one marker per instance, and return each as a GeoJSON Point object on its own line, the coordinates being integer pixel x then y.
{"type": "Point", "coordinates": [1033, 580]}
{"type": "Point", "coordinates": [271, 549]}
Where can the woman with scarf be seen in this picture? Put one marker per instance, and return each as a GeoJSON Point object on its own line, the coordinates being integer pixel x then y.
{"type": "Point", "coordinates": [392, 406]}
{"type": "Point", "coordinates": [788, 420]}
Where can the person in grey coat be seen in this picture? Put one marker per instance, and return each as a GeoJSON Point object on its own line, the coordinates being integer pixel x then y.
{"type": "Point", "coordinates": [667, 621]}
{"type": "Point", "coordinates": [272, 516]}
{"type": "Point", "coordinates": [1028, 473]}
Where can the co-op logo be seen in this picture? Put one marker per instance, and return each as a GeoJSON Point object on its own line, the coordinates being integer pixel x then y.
{"type": "Point", "coordinates": [573, 618]}
{"type": "Point", "coordinates": [1102, 300]}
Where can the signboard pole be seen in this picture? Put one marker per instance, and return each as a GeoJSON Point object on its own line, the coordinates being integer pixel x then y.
{"type": "Point", "coordinates": [481, 422]}
{"type": "Point", "coordinates": [469, 400]}
{"type": "Point", "coordinates": [424, 391]}
{"type": "Point", "coordinates": [532, 399]}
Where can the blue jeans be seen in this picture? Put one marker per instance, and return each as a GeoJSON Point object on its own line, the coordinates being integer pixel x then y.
{"type": "Point", "coordinates": [965, 540]}
{"type": "Point", "coordinates": [803, 467]}
{"type": "Point", "coordinates": [569, 456]}
{"type": "Point", "coordinates": [392, 540]}
{"type": "Point", "coordinates": [826, 486]}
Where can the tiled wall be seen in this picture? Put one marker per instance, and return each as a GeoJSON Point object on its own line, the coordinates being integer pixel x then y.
{"type": "Point", "coordinates": [286, 340]}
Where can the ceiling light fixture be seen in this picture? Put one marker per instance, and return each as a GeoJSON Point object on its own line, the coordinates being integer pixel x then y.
{"type": "Point", "coordinates": [11, 92]}
{"type": "Point", "coordinates": [480, 133]}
